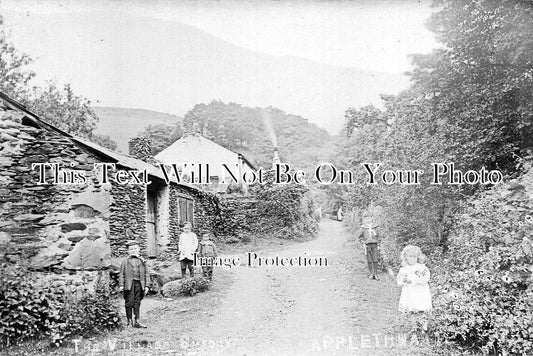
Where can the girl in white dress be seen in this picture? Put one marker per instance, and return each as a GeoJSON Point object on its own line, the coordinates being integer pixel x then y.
{"type": "Point", "coordinates": [414, 278]}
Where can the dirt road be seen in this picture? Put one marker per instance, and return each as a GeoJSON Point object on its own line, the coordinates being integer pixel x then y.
{"type": "Point", "coordinates": [333, 310]}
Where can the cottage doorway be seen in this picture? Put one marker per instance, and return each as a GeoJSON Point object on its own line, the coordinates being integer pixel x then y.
{"type": "Point", "coordinates": [186, 211]}
{"type": "Point", "coordinates": [151, 226]}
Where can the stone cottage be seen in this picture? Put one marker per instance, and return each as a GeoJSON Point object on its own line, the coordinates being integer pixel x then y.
{"type": "Point", "coordinates": [68, 223]}
{"type": "Point", "coordinates": [194, 149]}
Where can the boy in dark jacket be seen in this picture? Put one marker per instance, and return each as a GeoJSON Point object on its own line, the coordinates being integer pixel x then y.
{"type": "Point", "coordinates": [133, 281]}
{"type": "Point", "coordinates": [207, 252]}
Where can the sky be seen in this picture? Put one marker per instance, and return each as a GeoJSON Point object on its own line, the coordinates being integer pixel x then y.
{"type": "Point", "coordinates": [167, 56]}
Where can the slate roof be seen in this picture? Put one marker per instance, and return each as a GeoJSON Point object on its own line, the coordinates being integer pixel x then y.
{"type": "Point", "coordinates": [198, 149]}
{"type": "Point", "coordinates": [112, 156]}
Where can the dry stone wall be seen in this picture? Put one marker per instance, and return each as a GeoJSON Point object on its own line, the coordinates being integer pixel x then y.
{"type": "Point", "coordinates": [68, 229]}
{"type": "Point", "coordinates": [231, 218]}
{"type": "Point", "coordinates": [172, 225]}
{"type": "Point", "coordinates": [127, 218]}
{"type": "Point", "coordinates": [49, 226]}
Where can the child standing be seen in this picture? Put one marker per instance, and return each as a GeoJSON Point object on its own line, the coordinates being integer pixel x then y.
{"type": "Point", "coordinates": [414, 278]}
{"type": "Point", "coordinates": [368, 235]}
{"type": "Point", "coordinates": [187, 245]}
{"type": "Point", "coordinates": [207, 251]}
{"type": "Point", "coordinates": [133, 281]}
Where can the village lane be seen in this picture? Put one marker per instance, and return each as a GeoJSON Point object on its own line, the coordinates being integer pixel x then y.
{"type": "Point", "coordinates": [334, 309]}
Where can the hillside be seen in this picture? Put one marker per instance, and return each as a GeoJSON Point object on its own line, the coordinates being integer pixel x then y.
{"type": "Point", "coordinates": [239, 128]}
{"type": "Point", "coordinates": [255, 131]}
{"type": "Point", "coordinates": [195, 67]}
{"type": "Point", "coordinates": [121, 124]}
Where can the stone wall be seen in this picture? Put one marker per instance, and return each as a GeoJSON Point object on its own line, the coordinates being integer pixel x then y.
{"type": "Point", "coordinates": [75, 227]}
{"type": "Point", "coordinates": [173, 223]}
{"type": "Point", "coordinates": [205, 216]}
{"type": "Point", "coordinates": [237, 218]}
{"type": "Point", "coordinates": [127, 217]}
{"type": "Point", "coordinates": [61, 227]}
{"type": "Point", "coordinates": [76, 285]}
{"type": "Point", "coordinates": [206, 212]}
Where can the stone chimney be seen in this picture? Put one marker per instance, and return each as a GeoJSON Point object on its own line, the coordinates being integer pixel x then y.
{"type": "Point", "coordinates": [276, 159]}
{"type": "Point", "coordinates": [141, 147]}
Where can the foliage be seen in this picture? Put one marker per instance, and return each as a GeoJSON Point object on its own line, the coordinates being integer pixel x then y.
{"type": "Point", "coordinates": [193, 286]}
{"type": "Point", "coordinates": [366, 116]}
{"type": "Point", "coordinates": [14, 74]}
{"type": "Point", "coordinates": [285, 210]}
{"type": "Point", "coordinates": [484, 296]}
{"type": "Point", "coordinates": [486, 67]}
{"type": "Point", "coordinates": [254, 132]}
{"type": "Point", "coordinates": [29, 310]}
{"type": "Point", "coordinates": [85, 316]}
{"type": "Point", "coordinates": [64, 109]}
{"type": "Point", "coordinates": [60, 106]}
{"type": "Point", "coordinates": [25, 311]}
{"type": "Point", "coordinates": [104, 141]}
{"type": "Point", "coordinates": [469, 103]}
{"type": "Point", "coordinates": [162, 135]}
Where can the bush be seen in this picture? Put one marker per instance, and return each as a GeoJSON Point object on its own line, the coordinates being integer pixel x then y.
{"type": "Point", "coordinates": [85, 316]}
{"type": "Point", "coordinates": [285, 211]}
{"type": "Point", "coordinates": [25, 311]}
{"type": "Point", "coordinates": [484, 291]}
{"type": "Point", "coordinates": [28, 310]}
{"type": "Point", "coordinates": [193, 286]}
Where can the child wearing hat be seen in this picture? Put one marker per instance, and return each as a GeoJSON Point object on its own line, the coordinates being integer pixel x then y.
{"type": "Point", "coordinates": [133, 281]}
{"type": "Point", "coordinates": [207, 251]}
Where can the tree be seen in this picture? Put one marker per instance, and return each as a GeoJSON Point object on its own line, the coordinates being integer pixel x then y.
{"type": "Point", "coordinates": [64, 109]}
{"type": "Point", "coordinates": [481, 83]}
{"type": "Point", "coordinates": [14, 74]}
{"type": "Point", "coordinates": [104, 141]}
{"type": "Point", "coordinates": [358, 118]}
{"type": "Point", "coordinates": [162, 135]}
{"type": "Point", "coordinates": [59, 106]}
{"type": "Point", "coordinates": [243, 129]}
{"type": "Point", "coordinates": [468, 103]}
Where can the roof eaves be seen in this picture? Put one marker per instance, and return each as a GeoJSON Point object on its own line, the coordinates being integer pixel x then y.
{"type": "Point", "coordinates": [16, 105]}
{"type": "Point", "coordinates": [93, 147]}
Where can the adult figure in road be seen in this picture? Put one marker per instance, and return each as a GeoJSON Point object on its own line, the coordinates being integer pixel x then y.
{"type": "Point", "coordinates": [340, 214]}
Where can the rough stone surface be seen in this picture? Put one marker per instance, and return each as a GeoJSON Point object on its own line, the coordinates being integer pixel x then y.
{"type": "Point", "coordinates": [5, 239]}
{"type": "Point", "coordinates": [68, 227]}
{"type": "Point", "coordinates": [84, 211]}
{"type": "Point", "coordinates": [47, 257]}
{"type": "Point", "coordinates": [71, 227]}
{"type": "Point", "coordinates": [162, 273]}
{"type": "Point", "coordinates": [172, 289]}
{"type": "Point", "coordinates": [28, 217]}
{"type": "Point", "coordinates": [88, 254]}
{"type": "Point", "coordinates": [99, 201]}
{"type": "Point", "coordinates": [64, 244]}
